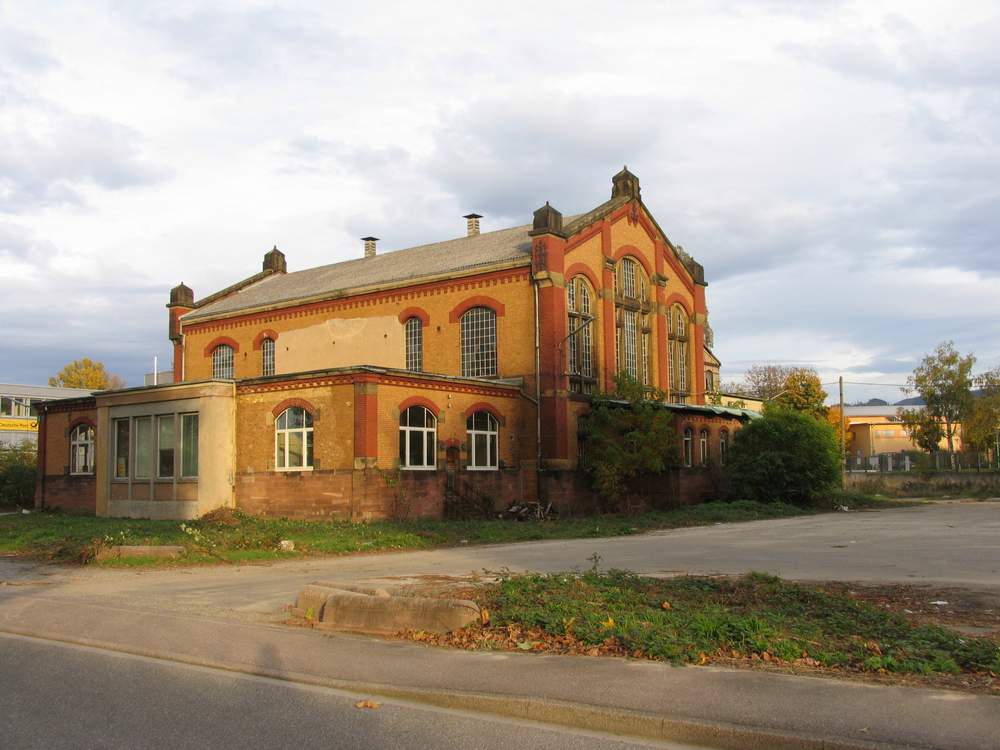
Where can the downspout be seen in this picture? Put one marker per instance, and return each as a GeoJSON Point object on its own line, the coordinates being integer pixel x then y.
{"type": "Point", "coordinates": [538, 393]}
{"type": "Point", "coordinates": [39, 499]}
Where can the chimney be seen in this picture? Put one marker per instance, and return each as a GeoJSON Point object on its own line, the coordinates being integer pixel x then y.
{"type": "Point", "coordinates": [370, 246]}
{"type": "Point", "coordinates": [471, 224]}
{"type": "Point", "coordinates": [274, 261]}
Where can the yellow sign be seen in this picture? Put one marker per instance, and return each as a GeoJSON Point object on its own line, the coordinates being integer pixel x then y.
{"type": "Point", "coordinates": [19, 425]}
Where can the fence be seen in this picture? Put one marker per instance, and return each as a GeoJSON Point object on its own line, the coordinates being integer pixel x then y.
{"type": "Point", "coordinates": [909, 461]}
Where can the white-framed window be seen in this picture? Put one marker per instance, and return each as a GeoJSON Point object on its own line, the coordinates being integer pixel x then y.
{"type": "Point", "coordinates": [703, 448]}
{"type": "Point", "coordinates": [189, 446]}
{"type": "Point", "coordinates": [479, 343]}
{"type": "Point", "coordinates": [414, 331]}
{"type": "Point", "coordinates": [142, 460]}
{"type": "Point", "coordinates": [417, 439]}
{"type": "Point", "coordinates": [293, 440]}
{"type": "Point", "coordinates": [222, 362]}
{"type": "Point", "coordinates": [688, 445]}
{"type": "Point", "coordinates": [166, 442]}
{"type": "Point", "coordinates": [122, 448]}
{"type": "Point", "coordinates": [723, 446]}
{"type": "Point", "coordinates": [484, 441]}
{"type": "Point", "coordinates": [81, 450]}
{"type": "Point", "coordinates": [267, 357]}
{"type": "Point", "coordinates": [146, 447]}
{"type": "Point", "coordinates": [580, 341]}
{"type": "Point", "coordinates": [678, 331]}
{"type": "Point", "coordinates": [632, 332]}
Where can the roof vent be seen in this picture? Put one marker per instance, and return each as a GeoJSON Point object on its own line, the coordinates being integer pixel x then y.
{"type": "Point", "coordinates": [471, 224]}
{"type": "Point", "coordinates": [370, 246]}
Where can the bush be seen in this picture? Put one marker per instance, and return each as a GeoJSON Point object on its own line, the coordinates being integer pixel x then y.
{"type": "Point", "coordinates": [17, 476]}
{"type": "Point", "coordinates": [784, 455]}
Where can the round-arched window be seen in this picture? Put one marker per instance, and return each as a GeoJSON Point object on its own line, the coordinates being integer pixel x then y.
{"type": "Point", "coordinates": [293, 440]}
{"type": "Point", "coordinates": [222, 362]}
{"type": "Point", "coordinates": [417, 438]}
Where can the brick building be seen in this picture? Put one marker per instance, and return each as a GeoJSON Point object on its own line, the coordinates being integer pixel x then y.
{"type": "Point", "coordinates": [399, 382]}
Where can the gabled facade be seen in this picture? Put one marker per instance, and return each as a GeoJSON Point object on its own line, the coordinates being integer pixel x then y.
{"type": "Point", "coordinates": [464, 364]}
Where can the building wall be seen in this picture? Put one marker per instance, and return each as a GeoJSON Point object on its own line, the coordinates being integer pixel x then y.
{"type": "Point", "coordinates": [56, 487]}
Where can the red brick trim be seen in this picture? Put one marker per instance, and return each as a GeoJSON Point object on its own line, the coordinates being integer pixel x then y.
{"type": "Point", "coordinates": [289, 402]}
{"type": "Point", "coordinates": [581, 237]}
{"type": "Point", "coordinates": [79, 421]}
{"type": "Point", "coordinates": [477, 301]}
{"type": "Point", "coordinates": [579, 268]}
{"type": "Point", "coordinates": [420, 401]}
{"type": "Point", "coordinates": [635, 254]}
{"type": "Point", "coordinates": [415, 312]}
{"type": "Point", "coordinates": [678, 299]}
{"type": "Point", "coordinates": [258, 340]}
{"type": "Point", "coordinates": [483, 406]}
{"type": "Point", "coordinates": [218, 341]}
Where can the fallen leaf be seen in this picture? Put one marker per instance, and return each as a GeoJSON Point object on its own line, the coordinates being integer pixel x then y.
{"type": "Point", "coordinates": [484, 616]}
{"type": "Point", "coordinates": [609, 623]}
{"type": "Point", "coordinates": [666, 605]}
{"type": "Point", "coordinates": [367, 703]}
{"type": "Point", "coordinates": [702, 658]}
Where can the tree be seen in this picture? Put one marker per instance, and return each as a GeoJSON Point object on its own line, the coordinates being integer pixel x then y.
{"type": "Point", "coordinates": [944, 381]}
{"type": "Point", "coordinates": [627, 440]}
{"type": "Point", "coordinates": [982, 425]}
{"type": "Point", "coordinates": [86, 373]}
{"type": "Point", "coordinates": [784, 455]}
{"type": "Point", "coordinates": [766, 381]}
{"type": "Point", "coordinates": [833, 418]}
{"type": "Point", "coordinates": [803, 392]}
{"type": "Point", "coordinates": [923, 428]}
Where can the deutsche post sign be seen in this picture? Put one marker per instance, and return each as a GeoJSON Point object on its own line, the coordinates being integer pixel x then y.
{"type": "Point", "coordinates": [19, 425]}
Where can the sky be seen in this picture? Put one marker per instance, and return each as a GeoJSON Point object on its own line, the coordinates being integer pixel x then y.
{"type": "Point", "coordinates": [834, 165]}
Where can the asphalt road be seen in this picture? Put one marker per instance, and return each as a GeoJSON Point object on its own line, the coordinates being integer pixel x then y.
{"type": "Point", "coordinates": [58, 696]}
{"type": "Point", "coordinates": [942, 544]}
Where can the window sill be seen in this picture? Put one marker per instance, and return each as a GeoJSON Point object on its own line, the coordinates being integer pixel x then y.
{"type": "Point", "coordinates": [292, 469]}
{"type": "Point", "coordinates": [482, 468]}
{"type": "Point", "coordinates": [418, 468]}
{"type": "Point", "coordinates": [81, 473]}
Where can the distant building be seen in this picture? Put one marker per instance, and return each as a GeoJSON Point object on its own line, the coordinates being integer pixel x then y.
{"type": "Point", "coordinates": [877, 430]}
{"type": "Point", "coordinates": [19, 410]}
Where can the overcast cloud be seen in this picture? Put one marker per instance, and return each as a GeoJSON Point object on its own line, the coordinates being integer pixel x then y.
{"type": "Point", "coordinates": [835, 166]}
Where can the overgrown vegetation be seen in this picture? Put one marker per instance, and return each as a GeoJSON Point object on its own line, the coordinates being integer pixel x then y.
{"type": "Point", "coordinates": [786, 455]}
{"type": "Point", "coordinates": [235, 536]}
{"type": "Point", "coordinates": [628, 436]}
{"type": "Point", "coordinates": [17, 476]}
{"type": "Point", "coordinates": [698, 620]}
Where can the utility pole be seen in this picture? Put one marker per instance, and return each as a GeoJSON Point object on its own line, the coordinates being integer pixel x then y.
{"type": "Point", "coordinates": [843, 438]}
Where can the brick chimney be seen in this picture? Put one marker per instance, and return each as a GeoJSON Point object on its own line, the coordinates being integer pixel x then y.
{"type": "Point", "coordinates": [625, 184]}
{"type": "Point", "coordinates": [370, 246]}
{"type": "Point", "coordinates": [274, 261]}
{"type": "Point", "coordinates": [181, 302]}
{"type": "Point", "coordinates": [471, 224]}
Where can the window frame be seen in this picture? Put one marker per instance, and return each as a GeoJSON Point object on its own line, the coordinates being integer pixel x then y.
{"type": "Point", "coordinates": [413, 333]}
{"type": "Point", "coordinates": [633, 349]}
{"type": "Point", "coordinates": [116, 434]}
{"type": "Point", "coordinates": [184, 418]}
{"type": "Point", "coordinates": [406, 430]}
{"type": "Point", "coordinates": [478, 342]}
{"type": "Point", "coordinates": [266, 357]}
{"type": "Point", "coordinates": [723, 446]}
{"type": "Point", "coordinates": [307, 431]}
{"type": "Point", "coordinates": [219, 365]}
{"type": "Point", "coordinates": [492, 441]}
{"type": "Point", "coordinates": [703, 449]}
{"type": "Point", "coordinates": [88, 442]}
{"type": "Point", "coordinates": [688, 447]}
{"type": "Point", "coordinates": [162, 420]}
{"type": "Point", "coordinates": [581, 354]}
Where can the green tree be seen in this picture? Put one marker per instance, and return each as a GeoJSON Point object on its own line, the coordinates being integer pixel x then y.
{"type": "Point", "coordinates": [944, 381]}
{"type": "Point", "coordinates": [803, 392]}
{"type": "Point", "coordinates": [86, 373]}
{"type": "Point", "coordinates": [17, 475]}
{"type": "Point", "coordinates": [982, 424]}
{"type": "Point", "coordinates": [766, 381]}
{"type": "Point", "coordinates": [627, 435]}
{"type": "Point", "coordinates": [923, 428]}
{"type": "Point", "coordinates": [784, 455]}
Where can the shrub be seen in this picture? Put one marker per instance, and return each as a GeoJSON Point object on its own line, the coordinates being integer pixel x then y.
{"type": "Point", "coordinates": [17, 475]}
{"type": "Point", "coordinates": [784, 455]}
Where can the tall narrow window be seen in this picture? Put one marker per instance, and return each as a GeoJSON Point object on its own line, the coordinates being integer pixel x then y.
{"type": "Point", "coordinates": [81, 450]}
{"type": "Point", "coordinates": [703, 448]}
{"type": "Point", "coordinates": [688, 445]}
{"type": "Point", "coordinates": [723, 446]}
{"type": "Point", "coordinates": [121, 448]}
{"type": "Point", "coordinates": [165, 442]}
{"type": "Point", "coordinates": [479, 343]}
{"type": "Point", "coordinates": [580, 340]}
{"type": "Point", "coordinates": [483, 430]}
{"type": "Point", "coordinates": [632, 310]}
{"type": "Point", "coordinates": [678, 331]}
{"type": "Point", "coordinates": [222, 362]}
{"type": "Point", "coordinates": [266, 357]}
{"type": "Point", "coordinates": [293, 440]}
{"type": "Point", "coordinates": [143, 447]}
{"type": "Point", "coordinates": [414, 344]}
{"type": "Point", "coordinates": [417, 439]}
{"type": "Point", "coordinates": [189, 445]}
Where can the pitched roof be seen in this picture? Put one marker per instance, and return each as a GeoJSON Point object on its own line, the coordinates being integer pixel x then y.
{"type": "Point", "coordinates": [505, 246]}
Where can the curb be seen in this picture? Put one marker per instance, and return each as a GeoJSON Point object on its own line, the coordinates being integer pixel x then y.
{"type": "Point", "coordinates": [553, 712]}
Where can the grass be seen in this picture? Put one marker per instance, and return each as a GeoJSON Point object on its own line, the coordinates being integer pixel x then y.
{"type": "Point", "coordinates": [237, 537]}
{"type": "Point", "coordinates": [699, 620]}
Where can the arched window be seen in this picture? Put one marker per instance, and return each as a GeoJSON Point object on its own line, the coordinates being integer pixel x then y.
{"type": "Point", "coordinates": [479, 343]}
{"type": "Point", "coordinates": [580, 342]}
{"type": "Point", "coordinates": [222, 362]}
{"type": "Point", "coordinates": [293, 440]}
{"type": "Point", "coordinates": [688, 447]}
{"type": "Point", "coordinates": [723, 446]}
{"type": "Point", "coordinates": [679, 341]}
{"type": "Point", "coordinates": [414, 330]}
{"type": "Point", "coordinates": [703, 448]}
{"type": "Point", "coordinates": [632, 329]}
{"type": "Point", "coordinates": [483, 430]}
{"type": "Point", "coordinates": [417, 439]}
{"type": "Point", "coordinates": [267, 357]}
{"type": "Point", "coordinates": [81, 450]}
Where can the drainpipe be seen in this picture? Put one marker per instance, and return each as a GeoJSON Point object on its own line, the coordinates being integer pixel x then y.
{"type": "Point", "coordinates": [538, 394]}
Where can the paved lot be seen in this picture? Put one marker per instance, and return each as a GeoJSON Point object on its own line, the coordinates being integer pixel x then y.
{"type": "Point", "coordinates": [944, 544]}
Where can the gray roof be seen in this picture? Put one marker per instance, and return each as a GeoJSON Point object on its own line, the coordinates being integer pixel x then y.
{"type": "Point", "coordinates": [876, 411]}
{"type": "Point", "coordinates": [41, 392]}
{"type": "Point", "coordinates": [450, 256]}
